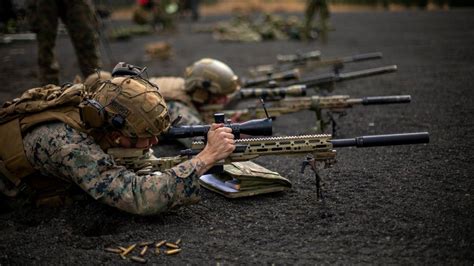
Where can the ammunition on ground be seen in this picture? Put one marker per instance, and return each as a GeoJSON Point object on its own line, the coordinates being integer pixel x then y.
{"type": "Point", "coordinates": [172, 251]}
{"type": "Point", "coordinates": [113, 250]}
{"type": "Point", "coordinates": [129, 249]}
{"type": "Point", "coordinates": [142, 253]}
{"type": "Point", "coordinates": [146, 243]}
{"type": "Point", "coordinates": [157, 251]}
{"type": "Point", "coordinates": [138, 259]}
{"type": "Point", "coordinates": [171, 245]}
{"type": "Point", "coordinates": [123, 257]}
{"type": "Point", "coordinates": [161, 243]}
{"type": "Point", "coordinates": [178, 241]}
{"type": "Point", "coordinates": [122, 248]}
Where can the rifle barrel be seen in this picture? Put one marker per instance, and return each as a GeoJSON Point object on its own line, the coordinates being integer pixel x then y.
{"type": "Point", "coordinates": [386, 99]}
{"type": "Point", "coordinates": [383, 140]}
{"type": "Point", "coordinates": [362, 57]}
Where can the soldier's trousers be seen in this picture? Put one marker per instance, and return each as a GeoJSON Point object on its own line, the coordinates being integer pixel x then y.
{"type": "Point", "coordinates": [81, 25]}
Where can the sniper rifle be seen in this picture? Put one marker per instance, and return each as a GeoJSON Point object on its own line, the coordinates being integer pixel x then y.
{"type": "Point", "coordinates": [336, 104]}
{"type": "Point", "coordinates": [319, 149]}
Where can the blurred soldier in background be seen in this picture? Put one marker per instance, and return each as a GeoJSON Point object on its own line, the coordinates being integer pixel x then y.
{"type": "Point", "coordinates": [191, 5]}
{"type": "Point", "coordinates": [79, 18]}
{"type": "Point", "coordinates": [313, 6]}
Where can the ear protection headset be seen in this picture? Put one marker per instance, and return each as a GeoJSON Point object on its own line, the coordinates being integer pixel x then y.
{"type": "Point", "coordinates": [201, 93]}
{"type": "Point", "coordinates": [93, 115]}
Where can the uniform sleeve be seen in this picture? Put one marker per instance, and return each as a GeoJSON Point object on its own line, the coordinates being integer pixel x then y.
{"type": "Point", "coordinates": [58, 150]}
{"type": "Point", "coordinates": [189, 115]}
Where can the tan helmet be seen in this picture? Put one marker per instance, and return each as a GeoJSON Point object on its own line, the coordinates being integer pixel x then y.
{"type": "Point", "coordinates": [211, 76]}
{"type": "Point", "coordinates": [94, 79]}
{"type": "Point", "coordinates": [133, 106]}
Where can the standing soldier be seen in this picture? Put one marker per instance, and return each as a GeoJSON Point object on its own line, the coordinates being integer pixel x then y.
{"type": "Point", "coordinates": [79, 18]}
{"type": "Point", "coordinates": [313, 6]}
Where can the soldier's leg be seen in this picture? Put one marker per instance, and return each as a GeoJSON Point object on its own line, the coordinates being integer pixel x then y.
{"type": "Point", "coordinates": [47, 24]}
{"type": "Point", "coordinates": [81, 23]}
{"type": "Point", "coordinates": [310, 11]}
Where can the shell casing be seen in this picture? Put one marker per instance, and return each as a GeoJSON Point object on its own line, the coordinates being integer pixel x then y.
{"type": "Point", "coordinates": [171, 245]}
{"type": "Point", "coordinates": [157, 251]}
{"type": "Point", "coordinates": [144, 249]}
{"type": "Point", "coordinates": [123, 257]}
{"type": "Point", "coordinates": [172, 251]}
{"type": "Point", "coordinates": [178, 241]}
{"type": "Point", "coordinates": [113, 250]}
{"type": "Point", "coordinates": [146, 243]}
{"type": "Point", "coordinates": [129, 249]}
{"type": "Point", "coordinates": [122, 248]}
{"type": "Point", "coordinates": [138, 259]}
{"type": "Point", "coordinates": [161, 243]}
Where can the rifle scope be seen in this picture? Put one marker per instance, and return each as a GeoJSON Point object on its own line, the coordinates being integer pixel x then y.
{"type": "Point", "coordinates": [383, 140]}
{"type": "Point", "coordinates": [255, 127]}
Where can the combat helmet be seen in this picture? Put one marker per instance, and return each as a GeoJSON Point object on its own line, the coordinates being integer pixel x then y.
{"type": "Point", "coordinates": [129, 104]}
{"type": "Point", "coordinates": [209, 76]}
{"type": "Point", "coordinates": [95, 78]}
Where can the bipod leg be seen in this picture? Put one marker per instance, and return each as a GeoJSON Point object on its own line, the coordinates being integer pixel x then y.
{"type": "Point", "coordinates": [310, 161]}
{"type": "Point", "coordinates": [333, 123]}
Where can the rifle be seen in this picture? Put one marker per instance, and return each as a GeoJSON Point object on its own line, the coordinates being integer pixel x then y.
{"type": "Point", "coordinates": [275, 93]}
{"type": "Point", "coordinates": [285, 63]}
{"type": "Point", "coordinates": [327, 81]}
{"type": "Point", "coordinates": [336, 104]}
{"type": "Point", "coordinates": [279, 76]}
{"type": "Point", "coordinates": [320, 150]}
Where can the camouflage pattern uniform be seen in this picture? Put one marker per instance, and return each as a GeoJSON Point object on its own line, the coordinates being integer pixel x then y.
{"type": "Point", "coordinates": [184, 107]}
{"type": "Point", "coordinates": [311, 7]}
{"type": "Point", "coordinates": [80, 22]}
{"type": "Point", "coordinates": [57, 150]}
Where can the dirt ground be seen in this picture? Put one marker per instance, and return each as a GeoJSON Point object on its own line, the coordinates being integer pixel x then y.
{"type": "Point", "coordinates": [386, 205]}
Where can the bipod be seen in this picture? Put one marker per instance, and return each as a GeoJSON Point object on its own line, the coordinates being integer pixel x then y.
{"type": "Point", "coordinates": [310, 161]}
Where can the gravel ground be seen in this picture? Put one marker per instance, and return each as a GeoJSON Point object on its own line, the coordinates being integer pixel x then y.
{"type": "Point", "coordinates": [386, 205]}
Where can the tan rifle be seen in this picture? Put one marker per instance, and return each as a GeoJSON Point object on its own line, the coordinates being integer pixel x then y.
{"type": "Point", "coordinates": [305, 63]}
{"type": "Point", "coordinates": [319, 149]}
{"type": "Point", "coordinates": [336, 104]}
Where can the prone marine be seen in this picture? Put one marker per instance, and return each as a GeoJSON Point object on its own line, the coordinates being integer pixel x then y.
{"type": "Point", "coordinates": [55, 138]}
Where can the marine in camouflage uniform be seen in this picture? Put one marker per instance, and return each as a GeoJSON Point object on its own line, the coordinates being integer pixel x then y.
{"type": "Point", "coordinates": [313, 6]}
{"type": "Point", "coordinates": [64, 151]}
{"type": "Point", "coordinates": [79, 18]}
{"type": "Point", "coordinates": [209, 81]}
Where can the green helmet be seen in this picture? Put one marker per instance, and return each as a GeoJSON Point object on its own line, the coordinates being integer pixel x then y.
{"type": "Point", "coordinates": [210, 76]}
{"type": "Point", "coordinates": [133, 106]}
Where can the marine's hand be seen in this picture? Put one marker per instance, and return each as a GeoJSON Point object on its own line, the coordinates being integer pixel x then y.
{"type": "Point", "coordinates": [220, 144]}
